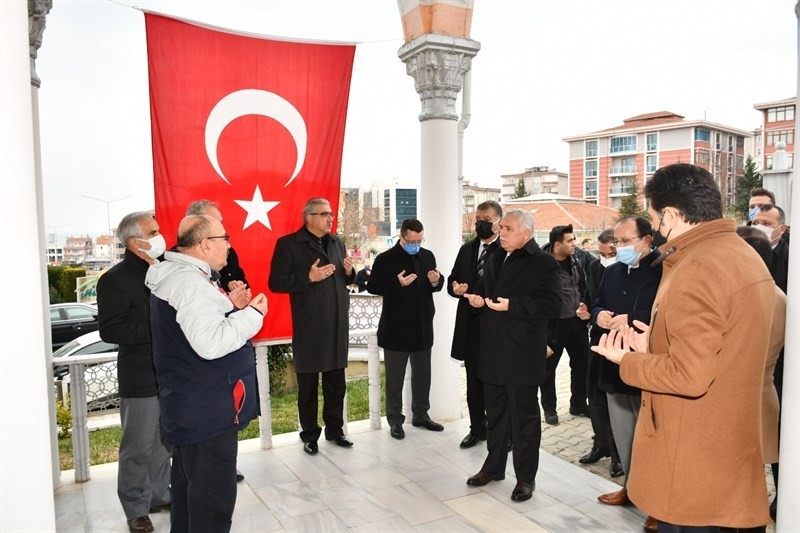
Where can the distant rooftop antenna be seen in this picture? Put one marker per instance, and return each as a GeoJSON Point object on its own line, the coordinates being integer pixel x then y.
{"type": "Point", "coordinates": [704, 114]}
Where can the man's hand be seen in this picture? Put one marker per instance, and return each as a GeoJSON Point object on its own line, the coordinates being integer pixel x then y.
{"type": "Point", "coordinates": [260, 303]}
{"type": "Point", "coordinates": [319, 273]}
{"type": "Point", "coordinates": [459, 289]}
{"type": "Point", "coordinates": [613, 346]}
{"type": "Point", "coordinates": [474, 300]}
{"type": "Point", "coordinates": [348, 266]}
{"type": "Point", "coordinates": [604, 319]}
{"type": "Point", "coordinates": [501, 305]}
{"type": "Point", "coordinates": [235, 283]}
{"type": "Point", "coordinates": [240, 294]}
{"type": "Point", "coordinates": [583, 312]}
{"type": "Point", "coordinates": [433, 276]}
{"type": "Point", "coordinates": [639, 341]}
{"type": "Point", "coordinates": [404, 280]}
{"type": "Point", "coordinates": [617, 322]}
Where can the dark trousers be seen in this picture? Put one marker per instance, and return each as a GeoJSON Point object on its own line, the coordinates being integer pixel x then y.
{"type": "Point", "coordinates": [204, 485]}
{"type": "Point", "coordinates": [664, 527]}
{"type": "Point", "coordinates": [333, 390]}
{"type": "Point", "coordinates": [598, 411]}
{"type": "Point", "coordinates": [572, 335]}
{"type": "Point", "coordinates": [513, 410]}
{"type": "Point", "coordinates": [395, 364]}
{"type": "Point", "coordinates": [475, 402]}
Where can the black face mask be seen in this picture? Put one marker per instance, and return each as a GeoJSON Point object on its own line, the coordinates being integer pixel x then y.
{"type": "Point", "coordinates": [484, 229]}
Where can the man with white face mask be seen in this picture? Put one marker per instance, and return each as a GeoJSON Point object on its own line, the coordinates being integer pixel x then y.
{"type": "Point", "coordinates": [123, 304]}
{"type": "Point", "coordinates": [771, 220]}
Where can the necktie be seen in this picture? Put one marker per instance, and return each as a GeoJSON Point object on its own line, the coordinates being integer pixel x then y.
{"type": "Point", "coordinates": [481, 261]}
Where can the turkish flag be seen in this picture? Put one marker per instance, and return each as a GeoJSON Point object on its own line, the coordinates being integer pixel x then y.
{"type": "Point", "coordinates": [254, 124]}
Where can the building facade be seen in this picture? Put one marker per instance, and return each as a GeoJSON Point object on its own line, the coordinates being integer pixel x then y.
{"type": "Point", "coordinates": [77, 250]}
{"type": "Point", "coordinates": [537, 180]}
{"type": "Point", "coordinates": [777, 125]}
{"type": "Point", "coordinates": [605, 165]}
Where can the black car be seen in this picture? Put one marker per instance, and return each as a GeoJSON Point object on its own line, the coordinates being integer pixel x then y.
{"type": "Point", "coordinates": [70, 321]}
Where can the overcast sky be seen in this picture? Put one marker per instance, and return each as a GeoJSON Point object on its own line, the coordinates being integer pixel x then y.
{"type": "Point", "coordinates": [546, 69]}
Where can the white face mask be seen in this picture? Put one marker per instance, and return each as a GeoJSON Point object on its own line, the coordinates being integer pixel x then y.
{"type": "Point", "coordinates": [157, 246]}
{"type": "Point", "coordinates": [608, 261]}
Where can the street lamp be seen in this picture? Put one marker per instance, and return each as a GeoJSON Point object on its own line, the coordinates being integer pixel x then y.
{"type": "Point", "coordinates": [108, 208]}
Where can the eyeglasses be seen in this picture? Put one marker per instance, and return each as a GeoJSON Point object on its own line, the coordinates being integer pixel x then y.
{"type": "Point", "coordinates": [626, 241]}
{"type": "Point", "coordinates": [324, 214]}
{"type": "Point", "coordinates": [226, 237]}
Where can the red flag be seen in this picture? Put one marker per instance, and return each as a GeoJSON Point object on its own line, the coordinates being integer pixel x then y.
{"type": "Point", "coordinates": [254, 124]}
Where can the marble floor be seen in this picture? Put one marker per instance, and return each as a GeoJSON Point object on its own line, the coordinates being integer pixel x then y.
{"type": "Point", "coordinates": [381, 484]}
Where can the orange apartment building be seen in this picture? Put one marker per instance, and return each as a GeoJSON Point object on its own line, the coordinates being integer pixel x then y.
{"type": "Point", "coordinates": [605, 164]}
{"type": "Point", "coordinates": [777, 125]}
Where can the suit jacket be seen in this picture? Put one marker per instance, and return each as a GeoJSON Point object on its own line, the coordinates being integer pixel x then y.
{"type": "Point", "coordinates": [514, 342]}
{"type": "Point", "coordinates": [406, 322]}
{"type": "Point", "coordinates": [464, 272]}
{"type": "Point", "coordinates": [320, 311]}
{"type": "Point", "coordinates": [697, 445]}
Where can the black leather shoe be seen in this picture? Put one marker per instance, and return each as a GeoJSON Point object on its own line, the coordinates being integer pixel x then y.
{"type": "Point", "coordinates": [579, 411]}
{"type": "Point", "coordinates": [551, 418]}
{"type": "Point", "coordinates": [311, 448]}
{"type": "Point", "coordinates": [616, 469]}
{"type": "Point", "coordinates": [159, 508]}
{"type": "Point", "coordinates": [343, 441]}
{"type": "Point", "coordinates": [594, 455]}
{"type": "Point", "coordinates": [239, 477]}
{"type": "Point", "coordinates": [428, 424]}
{"type": "Point", "coordinates": [482, 478]}
{"type": "Point", "coordinates": [471, 440]}
{"type": "Point", "coordinates": [523, 491]}
{"type": "Point", "coordinates": [140, 525]}
{"type": "Point", "coordinates": [397, 432]}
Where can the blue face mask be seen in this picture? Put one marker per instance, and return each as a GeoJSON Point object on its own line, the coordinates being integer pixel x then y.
{"type": "Point", "coordinates": [412, 248]}
{"type": "Point", "coordinates": [752, 213]}
{"type": "Point", "coordinates": [627, 255]}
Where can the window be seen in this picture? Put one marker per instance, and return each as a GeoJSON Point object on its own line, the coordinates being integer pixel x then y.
{"type": "Point", "coordinates": [701, 157]}
{"type": "Point", "coordinates": [702, 134]}
{"type": "Point", "coordinates": [590, 190]}
{"type": "Point", "coordinates": [78, 313]}
{"type": "Point", "coordinates": [730, 143]}
{"type": "Point", "coordinates": [625, 143]}
{"type": "Point", "coordinates": [652, 142]}
{"type": "Point", "coordinates": [97, 347]}
{"type": "Point", "coordinates": [591, 148]}
{"type": "Point", "coordinates": [769, 162]}
{"type": "Point", "coordinates": [55, 315]}
{"type": "Point", "coordinates": [652, 163]}
{"type": "Point", "coordinates": [740, 142]}
{"type": "Point", "coordinates": [774, 137]}
{"type": "Point", "coordinates": [779, 114]}
{"type": "Point", "coordinates": [590, 169]}
{"type": "Point", "coordinates": [740, 162]}
{"type": "Point", "coordinates": [717, 143]}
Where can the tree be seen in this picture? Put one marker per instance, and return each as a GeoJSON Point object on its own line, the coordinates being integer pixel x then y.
{"type": "Point", "coordinates": [520, 190]}
{"type": "Point", "coordinates": [744, 184]}
{"type": "Point", "coordinates": [353, 222]}
{"type": "Point", "coordinates": [630, 204]}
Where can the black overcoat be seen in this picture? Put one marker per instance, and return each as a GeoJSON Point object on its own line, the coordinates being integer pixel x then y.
{"type": "Point", "coordinates": [464, 272]}
{"type": "Point", "coordinates": [406, 323]}
{"type": "Point", "coordinates": [514, 342]}
{"type": "Point", "coordinates": [320, 311]}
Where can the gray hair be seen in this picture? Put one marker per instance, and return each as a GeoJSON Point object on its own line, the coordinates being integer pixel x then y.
{"type": "Point", "coordinates": [311, 204]}
{"type": "Point", "coordinates": [196, 232]}
{"type": "Point", "coordinates": [129, 226]}
{"type": "Point", "coordinates": [525, 218]}
{"type": "Point", "coordinates": [199, 207]}
{"type": "Point", "coordinates": [491, 204]}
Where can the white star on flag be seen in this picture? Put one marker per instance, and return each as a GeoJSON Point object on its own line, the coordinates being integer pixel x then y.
{"type": "Point", "coordinates": [257, 209]}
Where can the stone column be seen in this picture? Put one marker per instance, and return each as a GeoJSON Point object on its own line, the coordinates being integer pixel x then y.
{"type": "Point", "coordinates": [26, 493]}
{"type": "Point", "coordinates": [438, 64]}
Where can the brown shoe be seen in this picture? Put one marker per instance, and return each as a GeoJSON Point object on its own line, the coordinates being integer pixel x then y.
{"type": "Point", "coordinates": [651, 525]}
{"type": "Point", "coordinates": [482, 478]}
{"type": "Point", "coordinates": [614, 498]}
{"type": "Point", "coordinates": [523, 491]}
{"type": "Point", "coordinates": [161, 507]}
{"type": "Point", "coordinates": [140, 525]}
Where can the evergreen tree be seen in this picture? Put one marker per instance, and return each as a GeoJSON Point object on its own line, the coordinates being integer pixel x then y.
{"type": "Point", "coordinates": [744, 184]}
{"type": "Point", "coordinates": [630, 204]}
{"type": "Point", "coordinates": [520, 190]}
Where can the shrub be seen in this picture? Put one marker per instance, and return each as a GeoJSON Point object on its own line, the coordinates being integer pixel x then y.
{"type": "Point", "coordinates": [53, 281]}
{"type": "Point", "coordinates": [67, 283]}
{"type": "Point", "coordinates": [278, 358]}
{"type": "Point", "coordinates": [63, 419]}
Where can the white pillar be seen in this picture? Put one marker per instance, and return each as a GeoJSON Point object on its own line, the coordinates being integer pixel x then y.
{"type": "Point", "coordinates": [789, 482]}
{"type": "Point", "coordinates": [26, 493]}
{"type": "Point", "coordinates": [438, 64]}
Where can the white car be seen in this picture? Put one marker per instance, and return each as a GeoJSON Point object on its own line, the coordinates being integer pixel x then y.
{"type": "Point", "coordinates": [102, 391]}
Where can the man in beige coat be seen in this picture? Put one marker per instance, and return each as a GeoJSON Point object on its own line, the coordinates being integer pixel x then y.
{"type": "Point", "coordinates": [697, 459]}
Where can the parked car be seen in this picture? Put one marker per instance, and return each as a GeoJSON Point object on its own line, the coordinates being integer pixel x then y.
{"type": "Point", "coordinates": [102, 389]}
{"type": "Point", "coordinates": [71, 320]}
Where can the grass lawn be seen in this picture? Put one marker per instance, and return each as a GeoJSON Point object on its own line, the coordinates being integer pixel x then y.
{"type": "Point", "coordinates": [104, 443]}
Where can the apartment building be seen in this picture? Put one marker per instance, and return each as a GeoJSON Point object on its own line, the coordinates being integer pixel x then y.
{"type": "Point", "coordinates": [77, 250]}
{"type": "Point", "coordinates": [777, 125]}
{"type": "Point", "coordinates": [604, 165]}
{"type": "Point", "coordinates": [537, 180]}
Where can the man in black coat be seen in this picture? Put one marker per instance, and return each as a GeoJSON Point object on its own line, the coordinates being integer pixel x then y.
{"type": "Point", "coordinates": [520, 292]}
{"type": "Point", "coordinates": [466, 275]}
{"type": "Point", "coordinates": [406, 276]}
{"type": "Point", "coordinates": [123, 304]}
{"type": "Point", "coordinates": [311, 264]}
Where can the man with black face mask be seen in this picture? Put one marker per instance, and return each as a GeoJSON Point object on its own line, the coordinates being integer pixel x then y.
{"type": "Point", "coordinates": [467, 272]}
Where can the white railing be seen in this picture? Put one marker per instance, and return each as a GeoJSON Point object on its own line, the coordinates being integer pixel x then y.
{"type": "Point", "coordinates": [625, 169]}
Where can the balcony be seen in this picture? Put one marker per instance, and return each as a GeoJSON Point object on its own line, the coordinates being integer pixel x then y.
{"type": "Point", "coordinates": [627, 170]}
{"type": "Point", "coordinates": [620, 190]}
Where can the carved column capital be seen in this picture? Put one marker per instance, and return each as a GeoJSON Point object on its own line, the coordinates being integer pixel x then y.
{"type": "Point", "coordinates": [37, 12]}
{"type": "Point", "coordinates": [438, 64]}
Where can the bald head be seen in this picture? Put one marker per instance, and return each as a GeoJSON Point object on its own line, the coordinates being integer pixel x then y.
{"type": "Point", "coordinates": [193, 229]}
{"type": "Point", "coordinates": [204, 237]}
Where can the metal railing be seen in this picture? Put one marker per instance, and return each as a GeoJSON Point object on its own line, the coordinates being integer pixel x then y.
{"type": "Point", "coordinates": [626, 169]}
{"type": "Point", "coordinates": [626, 189]}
